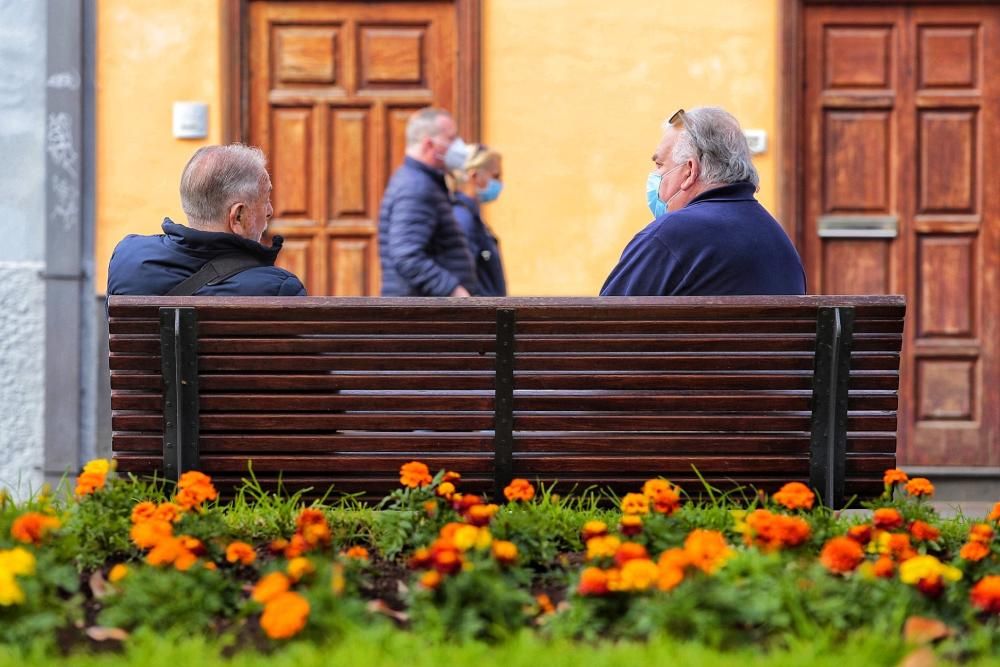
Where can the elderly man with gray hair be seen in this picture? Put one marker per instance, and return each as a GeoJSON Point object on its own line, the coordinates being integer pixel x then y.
{"type": "Point", "coordinates": [710, 236]}
{"type": "Point", "coordinates": [226, 196]}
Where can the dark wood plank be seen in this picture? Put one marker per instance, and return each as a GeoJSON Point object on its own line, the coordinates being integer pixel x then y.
{"type": "Point", "coordinates": [437, 402]}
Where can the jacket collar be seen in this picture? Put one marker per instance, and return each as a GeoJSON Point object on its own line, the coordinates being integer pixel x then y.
{"type": "Point", "coordinates": [435, 174]}
{"type": "Point", "coordinates": [200, 242]}
{"type": "Point", "coordinates": [742, 191]}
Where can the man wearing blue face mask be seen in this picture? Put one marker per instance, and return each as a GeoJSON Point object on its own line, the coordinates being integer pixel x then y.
{"type": "Point", "coordinates": [479, 183]}
{"type": "Point", "coordinates": [422, 250]}
{"type": "Point", "coordinates": [710, 236]}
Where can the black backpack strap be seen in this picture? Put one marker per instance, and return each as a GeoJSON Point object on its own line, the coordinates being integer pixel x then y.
{"type": "Point", "coordinates": [215, 271]}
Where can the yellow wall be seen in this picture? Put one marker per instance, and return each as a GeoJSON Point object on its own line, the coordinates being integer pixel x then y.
{"type": "Point", "coordinates": [149, 55]}
{"type": "Point", "coordinates": [574, 93]}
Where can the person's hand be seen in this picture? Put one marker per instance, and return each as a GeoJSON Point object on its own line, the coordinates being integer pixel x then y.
{"type": "Point", "coordinates": [460, 291]}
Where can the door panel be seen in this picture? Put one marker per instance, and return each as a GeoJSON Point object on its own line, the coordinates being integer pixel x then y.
{"type": "Point", "coordinates": [900, 121]}
{"type": "Point", "coordinates": [331, 87]}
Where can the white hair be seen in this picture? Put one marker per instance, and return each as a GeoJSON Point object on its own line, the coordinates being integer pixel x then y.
{"type": "Point", "coordinates": [216, 177]}
{"type": "Point", "coordinates": [423, 124]}
{"type": "Point", "coordinates": [712, 137]}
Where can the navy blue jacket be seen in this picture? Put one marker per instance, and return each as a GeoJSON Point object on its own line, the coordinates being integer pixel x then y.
{"type": "Point", "coordinates": [154, 265]}
{"type": "Point", "coordinates": [422, 250]}
{"type": "Point", "coordinates": [482, 245]}
{"type": "Point", "coordinates": [723, 242]}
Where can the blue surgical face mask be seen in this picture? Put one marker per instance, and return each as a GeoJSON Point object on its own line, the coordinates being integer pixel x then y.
{"type": "Point", "coordinates": [456, 155]}
{"type": "Point", "coordinates": [653, 192]}
{"type": "Point", "coordinates": [490, 192]}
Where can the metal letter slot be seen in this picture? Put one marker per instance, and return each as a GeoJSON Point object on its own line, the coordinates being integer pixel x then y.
{"type": "Point", "coordinates": [859, 226]}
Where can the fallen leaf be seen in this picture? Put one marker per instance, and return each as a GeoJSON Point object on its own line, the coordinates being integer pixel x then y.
{"type": "Point", "coordinates": [378, 606]}
{"type": "Point", "coordinates": [99, 585]}
{"type": "Point", "coordinates": [100, 633]}
{"type": "Point", "coordinates": [922, 657]}
{"type": "Point", "coordinates": [922, 630]}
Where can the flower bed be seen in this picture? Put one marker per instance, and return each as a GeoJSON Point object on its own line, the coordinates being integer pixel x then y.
{"type": "Point", "coordinates": [120, 555]}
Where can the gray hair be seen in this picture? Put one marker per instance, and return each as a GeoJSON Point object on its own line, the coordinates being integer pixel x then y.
{"type": "Point", "coordinates": [216, 177]}
{"type": "Point", "coordinates": [423, 124]}
{"type": "Point", "coordinates": [712, 137]}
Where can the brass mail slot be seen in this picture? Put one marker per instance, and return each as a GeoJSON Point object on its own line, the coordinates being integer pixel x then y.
{"type": "Point", "coordinates": [859, 226]}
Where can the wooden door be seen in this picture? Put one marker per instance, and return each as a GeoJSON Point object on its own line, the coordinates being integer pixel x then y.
{"type": "Point", "coordinates": [331, 85]}
{"type": "Point", "coordinates": [901, 142]}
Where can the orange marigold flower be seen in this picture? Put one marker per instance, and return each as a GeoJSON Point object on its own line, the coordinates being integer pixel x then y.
{"type": "Point", "coordinates": [421, 558]}
{"type": "Point", "coordinates": [841, 555]}
{"type": "Point", "coordinates": [143, 511]}
{"type": "Point", "coordinates": [277, 545]}
{"type": "Point", "coordinates": [445, 557]}
{"type": "Point", "coordinates": [430, 508]}
{"type": "Point", "coordinates": [192, 544]}
{"type": "Point", "coordinates": [209, 565]}
{"type": "Point", "coordinates": [285, 615]}
{"type": "Point", "coordinates": [165, 552]}
{"type": "Point", "coordinates": [357, 552]}
{"type": "Point", "coordinates": [981, 532]}
{"type": "Point", "coordinates": [445, 490]}
{"type": "Point", "coordinates": [296, 546]}
{"type": "Point", "coordinates": [519, 489]}
{"type": "Point", "coordinates": [898, 546]}
{"type": "Point", "coordinates": [795, 496]}
{"type": "Point", "coordinates": [985, 595]}
{"type": "Point", "coordinates": [299, 567]}
{"type": "Point", "coordinates": [414, 474]}
{"type": "Point", "coordinates": [664, 496]}
{"type": "Point", "coordinates": [894, 476]}
{"type": "Point", "coordinates": [887, 518]}
{"type": "Point", "coordinates": [669, 578]}
{"type": "Point", "coordinates": [171, 512]}
{"type": "Point", "coordinates": [861, 534]}
{"type": "Point", "coordinates": [88, 482]}
{"type": "Point", "coordinates": [430, 579]}
{"type": "Point", "coordinates": [630, 525]}
{"type": "Point", "coordinates": [312, 526]}
{"type": "Point", "coordinates": [480, 515]}
{"type": "Point", "coordinates": [194, 489]}
{"type": "Point", "coordinates": [240, 552]}
{"type": "Point", "coordinates": [924, 532]}
{"type": "Point", "coordinates": [309, 516]}
{"type": "Point", "coordinates": [451, 476]}
{"type": "Point", "coordinates": [974, 551]}
{"type": "Point", "coordinates": [603, 546]}
{"type": "Point", "coordinates": [461, 502]}
{"type": "Point", "coordinates": [629, 551]}
{"type": "Point", "coordinates": [544, 603]}
{"type": "Point", "coordinates": [674, 558]}
{"type": "Point", "coordinates": [638, 574]}
{"type": "Point", "coordinates": [884, 567]}
{"type": "Point", "coordinates": [635, 503]}
{"type": "Point", "coordinates": [593, 581]}
{"type": "Point", "coordinates": [920, 486]}
{"type": "Point", "coordinates": [593, 529]}
{"type": "Point", "coordinates": [32, 527]}
{"type": "Point", "coordinates": [706, 549]}
{"type": "Point", "coordinates": [185, 559]}
{"type": "Point", "coordinates": [270, 586]}
{"type": "Point", "coordinates": [118, 572]}
{"type": "Point", "coordinates": [149, 533]}
{"type": "Point", "coordinates": [994, 514]}
{"type": "Point", "coordinates": [775, 531]}
{"type": "Point", "coordinates": [504, 552]}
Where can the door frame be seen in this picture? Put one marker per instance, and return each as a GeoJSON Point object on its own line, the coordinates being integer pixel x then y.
{"type": "Point", "coordinates": [235, 66]}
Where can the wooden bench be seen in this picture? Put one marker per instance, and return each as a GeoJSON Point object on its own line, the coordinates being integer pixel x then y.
{"type": "Point", "coordinates": [607, 391]}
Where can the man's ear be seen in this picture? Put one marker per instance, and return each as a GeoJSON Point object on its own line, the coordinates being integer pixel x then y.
{"type": "Point", "coordinates": [235, 219]}
{"type": "Point", "coordinates": [692, 177]}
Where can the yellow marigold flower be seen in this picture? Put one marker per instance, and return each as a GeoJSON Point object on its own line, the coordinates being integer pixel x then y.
{"type": "Point", "coordinates": [270, 586]}
{"type": "Point", "coordinates": [707, 549]}
{"type": "Point", "coordinates": [149, 533]}
{"type": "Point", "coordinates": [635, 503]}
{"type": "Point", "coordinates": [795, 496]}
{"type": "Point", "coordinates": [32, 527]}
{"type": "Point", "coordinates": [430, 579]}
{"type": "Point", "coordinates": [285, 615]}
{"type": "Point", "coordinates": [357, 553]}
{"type": "Point", "coordinates": [981, 532]}
{"type": "Point", "coordinates": [994, 514]}
{"type": "Point", "coordinates": [467, 537]}
{"type": "Point", "coordinates": [919, 487]}
{"type": "Point", "coordinates": [10, 592]}
{"type": "Point", "coordinates": [926, 567]}
{"type": "Point", "coordinates": [414, 474]}
{"type": "Point", "coordinates": [240, 552]}
{"type": "Point", "coordinates": [519, 489]}
{"type": "Point", "coordinates": [445, 490]}
{"type": "Point", "coordinates": [143, 511]}
{"type": "Point", "coordinates": [17, 561]}
{"type": "Point", "coordinates": [299, 567]}
{"type": "Point", "coordinates": [604, 546]}
{"type": "Point", "coordinates": [894, 476]}
{"type": "Point", "coordinates": [638, 574]}
{"type": "Point", "coordinates": [593, 529]}
{"type": "Point", "coordinates": [630, 525]}
{"type": "Point", "coordinates": [841, 555]}
{"type": "Point", "coordinates": [664, 496]}
{"type": "Point", "coordinates": [88, 482]}
{"type": "Point", "coordinates": [985, 595]}
{"type": "Point", "coordinates": [451, 476]}
{"type": "Point", "coordinates": [504, 552]}
{"type": "Point", "coordinates": [99, 466]}
{"type": "Point", "coordinates": [974, 551]}
{"type": "Point", "coordinates": [118, 572]}
{"type": "Point", "coordinates": [593, 581]}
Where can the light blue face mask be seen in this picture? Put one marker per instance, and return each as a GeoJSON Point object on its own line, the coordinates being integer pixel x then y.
{"type": "Point", "coordinates": [653, 192]}
{"type": "Point", "coordinates": [490, 192]}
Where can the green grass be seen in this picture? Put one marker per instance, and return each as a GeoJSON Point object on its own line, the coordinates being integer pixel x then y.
{"type": "Point", "coordinates": [384, 647]}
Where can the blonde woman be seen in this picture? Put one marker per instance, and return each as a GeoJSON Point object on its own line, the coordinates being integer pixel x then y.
{"type": "Point", "coordinates": [476, 184]}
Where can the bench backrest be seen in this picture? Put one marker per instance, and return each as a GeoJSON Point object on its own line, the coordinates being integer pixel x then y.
{"type": "Point", "coordinates": [606, 391]}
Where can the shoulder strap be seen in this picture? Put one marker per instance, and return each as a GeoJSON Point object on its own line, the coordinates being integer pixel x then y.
{"type": "Point", "coordinates": [215, 271]}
